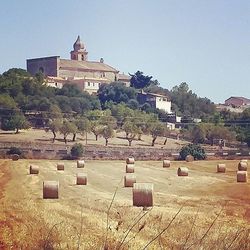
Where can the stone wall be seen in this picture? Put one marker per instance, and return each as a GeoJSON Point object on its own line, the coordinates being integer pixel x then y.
{"type": "Point", "coordinates": [113, 153]}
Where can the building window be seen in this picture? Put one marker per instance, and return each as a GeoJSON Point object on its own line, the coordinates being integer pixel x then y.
{"type": "Point", "coordinates": [41, 69]}
{"type": "Point", "coordinates": [88, 83]}
{"type": "Point", "coordinates": [164, 99]}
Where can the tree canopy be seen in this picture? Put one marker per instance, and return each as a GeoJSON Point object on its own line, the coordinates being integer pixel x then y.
{"type": "Point", "coordinates": [139, 80]}
{"type": "Point", "coordinates": [187, 103]}
{"type": "Point", "coordinates": [116, 93]}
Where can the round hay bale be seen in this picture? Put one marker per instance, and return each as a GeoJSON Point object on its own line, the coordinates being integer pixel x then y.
{"type": "Point", "coordinates": [50, 190]}
{"type": "Point", "coordinates": [241, 176]}
{"type": "Point", "coordinates": [221, 168]}
{"type": "Point", "coordinates": [15, 157]}
{"type": "Point", "coordinates": [189, 158]}
{"type": "Point", "coordinates": [143, 194]}
{"type": "Point", "coordinates": [130, 168]}
{"type": "Point", "coordinates": [242, 166]}
{"type": "Point", "coordinates": [166, 163]}
{"type": "Point", "coordinates": [60, 166]}
{"type": "Point", "coordinates": [244, 160]}
{"type": "Point", "coordinates": [34, 169]}
{"type": "Point", "coordinates": [130, 160]}
{"type": "Point", "coordinates": [129, 180]}
{"type": "Point", "coordinates": [182, 171]}
{"type": "Point", "coordinates": [80, 163]}
{"type": "Point", "coordinates": [81, 179]}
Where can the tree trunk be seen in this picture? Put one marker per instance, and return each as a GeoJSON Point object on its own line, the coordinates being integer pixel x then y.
{"type": "Point", "coordinates": [54, 134]}
{"type": "Point", "coordinates": [153, 141]}
{"type": "Point", "coordinates": [165, 142]}
{"type": "Point", "coordinates": [96, 137]}
{"type": "Point", "coordinates": [129, 142]}
{"type": "Point", "coordinates": [17, 130]}
{"type": "Point", "coordinates": [74, 137]}
{"type": "Point", "coordinates": [65, 140]}
{"type": "Point", "coordinates": [139, 137]}
{"type": "Point", "coordinates": [106, 142]}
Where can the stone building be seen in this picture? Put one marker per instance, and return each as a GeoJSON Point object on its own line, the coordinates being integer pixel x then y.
{"type": "Point", "coordinates": [88, 75]}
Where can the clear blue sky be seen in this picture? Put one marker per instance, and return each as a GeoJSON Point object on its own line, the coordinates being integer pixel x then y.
{"type": "Point", "coordinates": [205, 43]}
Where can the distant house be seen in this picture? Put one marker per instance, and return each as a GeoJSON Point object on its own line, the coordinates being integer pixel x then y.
{"type": "Point", "coordinates": [155, 100]}
{"type": "Point", "coordinates": [237, 101]}
{"type": "Point", "coordinates": [221, 107]}
{"type": "Point", "coordinates": [124, 78]}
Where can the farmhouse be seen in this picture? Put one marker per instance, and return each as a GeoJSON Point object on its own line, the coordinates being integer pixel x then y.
{"type": "Point", "coordinates": [88, 75]}
{"type": "Point", "coordinates": [155, 100]}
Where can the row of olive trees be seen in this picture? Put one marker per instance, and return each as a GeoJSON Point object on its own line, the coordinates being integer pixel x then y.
{"type": "Point", "coordinates": [105, 123]}
{"type": "Point", "coordinates": [207, 132]}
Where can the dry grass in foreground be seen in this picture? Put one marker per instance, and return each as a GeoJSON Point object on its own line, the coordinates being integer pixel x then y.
{"type": "Point", "coordinates": [126, 230]}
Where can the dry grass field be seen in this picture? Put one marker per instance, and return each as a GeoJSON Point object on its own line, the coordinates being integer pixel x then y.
{"type": "Point", "coordinates": [206, 210]}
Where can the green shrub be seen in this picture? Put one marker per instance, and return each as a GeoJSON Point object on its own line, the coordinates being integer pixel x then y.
{"type": "Point", "coordinates": [77, 150]}
{"type": "Point", "coordinates": [14, 150]}
{"type": "Point", "coordinates": [192, 149]}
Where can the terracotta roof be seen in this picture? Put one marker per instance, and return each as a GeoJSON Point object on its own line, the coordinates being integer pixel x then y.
{"type": "Point", "coordinates": [85, 66]}
{"type": "Point", "coordinates": [239, 98]}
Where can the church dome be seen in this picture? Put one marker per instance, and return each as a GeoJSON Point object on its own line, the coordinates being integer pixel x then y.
{"type": "Point", "coordinates": [78, 45]}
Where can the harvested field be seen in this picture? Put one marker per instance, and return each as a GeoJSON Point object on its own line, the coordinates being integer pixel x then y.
{"type": "Point", "coordinates": [210, 210]}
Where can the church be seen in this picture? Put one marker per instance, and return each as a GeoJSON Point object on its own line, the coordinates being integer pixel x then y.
{"type": "Point", "coordinates": [87, 75]}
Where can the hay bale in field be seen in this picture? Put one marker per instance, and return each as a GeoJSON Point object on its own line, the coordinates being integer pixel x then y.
{"type": "Point", "coordinates": [242, 166]}
{"type": "Point", "coordinates": [50, 190]}
{"type": "Point", "coordinates": [60, 166]}
{"type": "Point", "coordinates": [182, 171]}
{"type": "Point", "coordinates": [189, 158]}
{"type": "Point", "coordinates": [15, 157]}
{"type": "Point", "coordinates": [130, 168]}
{"type": "Point", "coordinates": [34, 169]}
{"type": "Point", "coordinates": [143, 194]}
{"type": "Point", "coordinates": [241, 176]}
{"type": "Point", "coordinates": [129, 180]}
{"type": "Point", "coordinates": [130, 160]}
{"type": "Point", "coordinates": [166, 163]}
{"type": "Point", "coordinates": [80, 163]}
{"type": "Point", "coordinates": [244, 160]}
{"type": "Point", "coordinates": [81, 179]}
{"type": "Point", "coordinates": [221, 168]}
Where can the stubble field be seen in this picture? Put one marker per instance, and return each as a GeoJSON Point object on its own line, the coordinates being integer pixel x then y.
{"type": "Point", "coordinates": [206, 210]}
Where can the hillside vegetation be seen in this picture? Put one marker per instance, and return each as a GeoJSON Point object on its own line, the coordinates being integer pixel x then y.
{"type": "Point", "coordinates": [26, 101]}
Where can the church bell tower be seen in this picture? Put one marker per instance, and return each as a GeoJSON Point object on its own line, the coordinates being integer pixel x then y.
{"type": "Point", "coordinates": [79, 53]}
